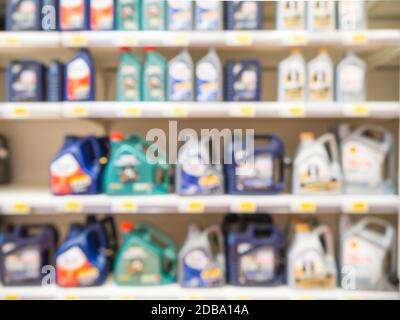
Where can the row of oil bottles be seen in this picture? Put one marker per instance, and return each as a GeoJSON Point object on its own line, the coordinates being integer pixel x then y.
{"type": "Point", "coordinates": [365, 164]}
{"type": "Point", "coordinates": [180, 79]}
{"type": "Point", "coordinates": [127, 15]}
{"type": "Point", "coordinates": [249, 250]}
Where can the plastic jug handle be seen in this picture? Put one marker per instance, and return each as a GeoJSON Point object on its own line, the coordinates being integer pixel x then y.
{"type": "Point", "coordinates": [112, 238]}
{"type": "Point", "coordinates": [216, 230]}
{"type": "Point", "coordinates": [171, 256]}
{"type": "Point", "coordinates": [329, 140]}
{"type": "Point", "coordinates": [94, 144]}
{"type": "Point", "coordinates": [388, 233]}
{"type": "Point", "coordinates": [97, 230]}
{"type": "Point", "coordinates": [156, 234]}
{"type": "Point", "coordinates": [323, 232]}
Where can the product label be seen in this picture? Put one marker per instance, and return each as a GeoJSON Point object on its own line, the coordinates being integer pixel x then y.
{"type": "Point", "coordinates": [257, 175]}
{"type": "Point", "coordinates": [74, 269]}
{"type": "Point", "coordinates": [256, 265]}
{"type": "Point", "coordinates": [245, 15]}
{"type": "Point", "coordinates": [67, 176]}
{"type": "Point", "coordinates": [72, 14]}
{"type": "Point", "coordinates": [350, 14]}
{"type": "Point", "coordinates": [207, 15]}
{"type": "Point", "coordinates": [351, 80]}
{"type": "Point", "coordinates": [294, 82]}
{"type": "Point", "coordinates": [293, 14]}
{"type": "Point", "coordinates": [128, 15]}
{"type": "Point", "coordinates": [25, 83]}
{"type": "Point", "coordinates": [366, 258]}
{"type": "Point", "coordinates": [180, 15]}
{"type": "Point", "coordinates": [23, 265]}
{"type": "Point", "coordinates": [315, 175]}
{"type": "Point", "coordinates": [180, 82]}
{"type": "Point", "coordinates": [207, 86]}
{"type": "Point", "coordinates": [199, 270]}
{"type": "Point", "coordinates": [78, 80]}
{"type": "Point", "coordinates": [361, 165]}
{"type": "Point", "coordinates": [130, 82]}
{"type": "Point", "coordinates": [245, 83]}
{"type": "Point", "coordinates": [101, 14]}
{"type": "Point", "coordinates": [322, 14]}
{"type": "Point", "coordinates": [24, 16]}
{"type": "Point", "coordinates": [154, 76]}
{"type": "Point", "coordinates": [154, 14]}
{"type": "Point", "coordinates": [320, 82]}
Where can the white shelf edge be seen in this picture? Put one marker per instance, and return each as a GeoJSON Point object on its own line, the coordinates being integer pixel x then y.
{"type": "Point", "coordinates": [118, 110]}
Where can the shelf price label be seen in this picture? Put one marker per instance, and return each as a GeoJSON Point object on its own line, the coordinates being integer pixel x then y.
{"type": "Point", "coordinates": [243, 110]}
{"type": "Point", "coordinates": [78, 40]}
{"type": "Point", "coordinates": [78, 111]}
{"type": "Point", "coordinates": [13, 297]}
{"type": "Point", "coordinates": [293, 111]}
{"type": "Point", "coordinates": [359, 38]}
{"type": "Point", "coordinates": [247, 207]}
{"type": "Point", "coordinates": [20, 112]}
{"type": "Point", "coordinates": [71, 297]}
{"type": "Point", "coordinates": [180, 39]}
{"type": "Point", "coordinates": [130, 111]}
{"type": "Point", "coordinates": [305, 206]}
{"type": "Point", "coordinates": [126, 206]}
{"type": "Point", "coordinates": [297, 39]}
{"type": "Point", "coordinates": [240, 39]}
{"type": "Point", "coordinates": [12, 41]}
{"type": "Point", "coordinates": [73, 207]}
{"type": "Point", "coordinates": [20, 208]}
{"type": "Point", "coordinates": [194, 206]}
{"type": "Point", "coordinates": [356, 206]}
{"type": "Point", "coordinates": [179, 111]}
{"type": "Point", "coordinates": [128, 41]}
{"type": "Point", "coordinates": [357, 110]}
{"type": "Point", "coordinates": [127, 297]}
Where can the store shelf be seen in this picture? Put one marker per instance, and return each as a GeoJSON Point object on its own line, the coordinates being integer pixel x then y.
{"type": "Point", "coordinates": [257, 38]}
{"type": "Point", "coordinates": [112, 291]}
{"type": "Point", "coordinates": [14, 200]}
{"type": "Point", "coordinates": [113, 109]}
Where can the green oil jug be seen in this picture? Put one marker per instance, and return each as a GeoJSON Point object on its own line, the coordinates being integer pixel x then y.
{"type": "Point", "coordinates": [128, 77]}
{"type": "Point", "coordinates": [147, 256]}
{"type": "Point", "coordinates": [133, 168]}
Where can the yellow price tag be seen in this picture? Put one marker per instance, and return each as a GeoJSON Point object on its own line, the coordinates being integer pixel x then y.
{"type": "Point", "coordinates": [243, 298]}
{"type": "Point", "coordinates": [12, 41]}
{"type": "Point", "coordinates": [127, 297]}
{"type": "Point", "coordinates": [71, 297]}
{"type": "Point", "coordinates": [359, 207]}
{"type": "Point", "coordinates": [73, 206]}
{"type": "Point", "coordinates": [361, 110]}
{"type": "Point", "coordinates": [296, 111]}
{"type": "Point", "coordinates": [20, 208]}
{"type": "Point", "coordinates": [180, 39]}
{"type": "Point", "coordinates": [247, 207]}
{"type": "Point", "coordinates": [79, 111]}
{"type": "Point", "coordinates": [241, 39]}
{"type": "Point", "coordinates": [20, 111]}
{"type": "Point", "coordinates": [195, 206]}
{"type": "Point", "coordinates": [79, 40]}
{"type": "Point", "coordinates": [307, 206]}
{"type": "Point", "coordinates": [305, 298]}
{"type": "Point", "coordinates": [129, 41]}
{"type": "Point", "coordinates": [180, 111]}
{"type": "Point", "coordinates": [359, 38]}
{"type": "Point", "coordinates": [196, 298]}
{"type": "Point", "coordinates": [299, 39]}
{"type": "Point", "coordinates": [132, 112]}
{"type": "Point", "coordinates": [129, 206]}
{"type": "Point", "coordinates": [247, 111]}
{"type": "Point", "coordinates": [13, 297]}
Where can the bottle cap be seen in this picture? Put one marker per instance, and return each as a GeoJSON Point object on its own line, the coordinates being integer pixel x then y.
{"type": "Point", "coordinates": [116, 136]}
{"type": "Point", "coordinates": [322, 50]}
{"type": "Point", "coordinates": [149, 49]}
{"type": "Point", "coordinates": [307, 136]}
{"type": "Point", "coordinates": [126, 226]}
{"type": "Point", "coordinates": [295, 50]}
{"type": "Point", "coordinates": [124, 49]}
{"type": "Point", "coordinates": [302, 227]}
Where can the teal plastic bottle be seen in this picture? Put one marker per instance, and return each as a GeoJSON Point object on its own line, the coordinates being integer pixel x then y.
{"type": "Point", "coordinates": [147, 256]}
{"type": "Point", "coordinates": [129, 76]}
{"type": "Point", "coordinates": [127, 15]}
{"type": "Point", "coordinates": [154, 82]}
{"type": "Point", "coordinates": [131, 170]}
{"type": "Point", "coordinates": [154, 14]}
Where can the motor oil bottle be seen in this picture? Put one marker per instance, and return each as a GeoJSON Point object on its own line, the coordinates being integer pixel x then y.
{"type": "Point", "coordinates": [49, 15]}
{"type": "Point", "coordinates": [351, 79]}
{"type": "Point", "coordinates": [202, 258]}
{"type": "Point", "coordinates": [55, 81]}
{"type": "Point", "coordinates": [154, 83]}
{"type": "Point", "coordinates": [310, 258]}
{"type": "Point", "coordinates": [321, 15]}
{"type": "Point", "coordinates": [255, 251]}
{"type": "Point", "coordinates": [127, 15]}
{"type": "Point", "coordinates": [292, 78]}
{"type": "Point", "coordinates": [352, 15]}
{"type": "Point", "coordinates": [243, 81]}
{"type": "Point", "coordinates": [74, 15]}
{"type": "Point", "coordinates": [131, 171]}
{"type": "Point", "coordinates": [368, 161]}
{"type": "Point", "coordinates": [129, 77]}
{"type": "Point", "coordinates": [25, 81]}
{"type": "Point", "coordinates": [320, 77]}
{"type": "Point", "coordinates": [257, 170]}
{"type": "Point", "coordinates": [368, 254]}
{"type": "Point", "coordinates": [208, 15]}
{"type": "Point", "coordinates": [209, 78]}
{"type": "Point", "coordinates": [154, 14]}
{"type": "Point", "coordinates": [244, 15]}
{"type": "Point", "coordinates": [198, 170]}
{"type": "Point", "coordinates": [146, 257]}
{"type": "Point", "coordinates": [291, 15]}
{"type": "Point", "coordinates": [5, 161]}
{"type": "Point", "coordinates": [316, 165]}
{"type": "Point", "coordinates": [84, 259]}
{"type": "Point", "coordinates": [79, 79]}
{"type": "Point", "coordinates": [23, 15]}
{"type": "Point", "coordinates": [77, 167]}
{"type": "Point", "coordinates": [180, 15]}
{"type": "Point", "coordinates": [24, 251]}
{"type": "Point", "coordinates": [102, 14]}
{"type": "Point", "coordinates": [180, 77]}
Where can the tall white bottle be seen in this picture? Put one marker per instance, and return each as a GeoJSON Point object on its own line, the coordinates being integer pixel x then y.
{"type": "Point", "coordinates": [291, 15]}
{"type": "Point", "coordinates": [321, 15]}
{"type": "Point", "coordinates": [352, 15]}
{"type": "Point", "coordinates": [320, 73]}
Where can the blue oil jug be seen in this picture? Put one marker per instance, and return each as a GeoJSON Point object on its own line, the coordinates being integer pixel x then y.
{"type": "Point", "coordinates": [5, 161]}
{"type": "Point", "coordinates": [55, 81]}
{"type": "Point", "coordinates": [85, 257]}
{"type": "Point", "coordinates": [25, 81]}
{"type": "Point", "coordinates": [23, 15]}
{"type": "Point", "coordinates": [243, 81]}
{"type": "Point", "coordinates": [258, 171]}
{"type": "Point", "coordinates": [77, 168]}
{"type": "Point", "coordinates": [24, 251]}
{"type": "Point", "coordinates": [255, 251]}
{"type": "Point", "coordinates": [244, 15]}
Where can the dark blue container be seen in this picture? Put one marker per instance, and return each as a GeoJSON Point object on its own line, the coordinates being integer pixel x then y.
{"type": "Point", "coordinates": [243, 15]}
{"type": "Point", "coordinates": [5, 161]}
{"type": "Point", "coordinates": [255, 252]}
{"type": "Point", "coordinates": [74, 15]}
{"type": "Point", "coordinates": [264, 175]}
{"type": "Point", "coordinates": [25, 81]}
{"type": "Point", "coordinates": [24, 251]}
{"type": "Point", "coordinates": [49, 15]}
{"type": "Point", "coordinates": [23, 15]}
{"type": "Point", "coordinates": [77, 168]}
{"type": "Point", "coordinates": [85, 257]}
{"type": "Point", "coordinates": [55, 81]}
{"type": "Point", "coordinates": [243, 81]}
